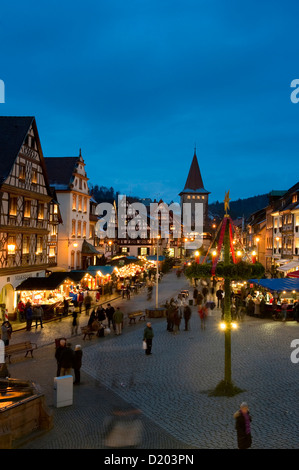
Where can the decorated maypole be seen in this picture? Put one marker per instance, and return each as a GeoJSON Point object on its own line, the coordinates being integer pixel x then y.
{"type": "Point", "coordinates": [227, 269]}
{"type": "Point", "coordinates": [226, 387]}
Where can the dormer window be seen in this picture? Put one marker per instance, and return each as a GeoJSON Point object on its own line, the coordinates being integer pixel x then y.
{"type": "Point", "coordinates": [295, 198]}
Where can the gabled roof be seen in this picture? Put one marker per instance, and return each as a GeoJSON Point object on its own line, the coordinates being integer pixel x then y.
{"type": "Point", "coordinates": [194, 183]}
{"type": "Point", "coordinates": [13, 130]}
{"type": "Point", "coordinates": [60, 171]}
{"type": "Point", "coordinates": [51, 282]}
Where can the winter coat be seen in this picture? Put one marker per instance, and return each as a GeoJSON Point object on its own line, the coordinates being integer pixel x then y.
{"type": "Point", "coordinates": [67, 358]}
{"type": "Point", "coordinates": [148, 333]}
{"type": "Point", "coordinates": [77, 359]}
{"type": "Point", "coordinates": [187, 312]}
{"type": "Point", "coordinates": [118, 316]}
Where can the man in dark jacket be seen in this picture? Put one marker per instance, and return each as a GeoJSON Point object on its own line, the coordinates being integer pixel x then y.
{"type": "Point", "coordinates": [148, 335]}
{"type": "Point", "coordinates": [77, 363]}
{"type": "Point", "coordinates": [187, 316]}
{"type": "Point", "coordinates": [67, 360]}
{"type": "Point", "coordinates": [58, 354]}
{"type": "Point", "coordinates": [109, 312]}
{"type": "Point", "coordinates": [243, 420]}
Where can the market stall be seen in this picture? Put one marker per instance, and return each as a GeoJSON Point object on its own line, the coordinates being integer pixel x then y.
{"type": "Point", "coordinates": [51, 292]}
{"type": "Point", "coordinates": [283, 291]}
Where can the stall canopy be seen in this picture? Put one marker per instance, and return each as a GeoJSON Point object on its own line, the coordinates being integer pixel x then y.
{"type": "Point", "coordinates": [104, 270]}
{"type": "Point", "coordinates": [288, 266]}
{"type": "Point", "coordinates": [278, 285]}
{"type": "Point", "coordinates": [293, 274]}
{"type": "Point", "coordinates": [122, 260]}
{"type": "Point", "coordinates": [154, 258]}
{"type": "Point", "coordinates": [51, 282]}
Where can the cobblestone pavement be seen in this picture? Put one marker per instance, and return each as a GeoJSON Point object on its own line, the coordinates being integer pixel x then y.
{"type": "Point", "coordinates": [171, 387]}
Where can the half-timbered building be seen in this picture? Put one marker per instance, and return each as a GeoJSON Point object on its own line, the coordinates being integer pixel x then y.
{"type": "Point", "coordinates": [26, 205]}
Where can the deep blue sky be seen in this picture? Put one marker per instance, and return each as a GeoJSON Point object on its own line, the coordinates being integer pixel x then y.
{"type": "Point", "coordinates": [137, 83]}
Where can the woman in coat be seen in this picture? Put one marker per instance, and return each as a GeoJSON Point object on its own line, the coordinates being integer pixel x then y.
{"type": "Point", "coordinates": [243, 426]}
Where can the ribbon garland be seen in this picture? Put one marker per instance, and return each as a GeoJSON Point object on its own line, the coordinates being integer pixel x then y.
{"type": "Point", "coordinates": [221, 237]}
{"type": "Point", "coordinates": [231, 241]}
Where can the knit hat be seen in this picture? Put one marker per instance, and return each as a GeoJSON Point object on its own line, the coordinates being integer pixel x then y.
{"type": "Point", "coordinates": [244, 405]}
{"type": "Point", "coordinates": [78, 346]}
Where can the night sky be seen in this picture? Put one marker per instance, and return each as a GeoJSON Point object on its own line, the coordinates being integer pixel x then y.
{"type": "Point", "coordinates": [136, 84]}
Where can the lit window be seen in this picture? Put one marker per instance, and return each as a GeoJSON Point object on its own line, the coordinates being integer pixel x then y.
{"type": "Point", "coordinates": [84, 229]}
{"type": "Point", "coordinates": [34, 177]}
{"type": "Point", "coordinates": [52, 253]}
{"type": "Point", "coordinates": [13, 206]}
{"type": "Point", "coordinates": [25, 245]}
{"type": "Point", "coordinates": [73, 228]}
{"type": "Point", "coordinates": [41, 211]}
{"type": "Point", "coordinates": [11, 246]}
{"type": "Point", "coordinates": [79, 229]}
{"type": "Point", "coordinates": [39, 245]}
{"type": "Point", "coordinates": [74, 206]}
{"type": "Point", "coordinates": [27, 208]}
{"type": "Point", "coordinates": [22, 172]}
{"type": "Point", "coordinates": [80, 203]}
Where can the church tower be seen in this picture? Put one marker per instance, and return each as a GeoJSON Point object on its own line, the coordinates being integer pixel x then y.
{"type": "Point", "coordinates": [194, 192]}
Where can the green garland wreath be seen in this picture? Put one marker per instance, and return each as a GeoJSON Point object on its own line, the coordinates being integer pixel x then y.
{"type": "Point", "coordinates": [238, 271]}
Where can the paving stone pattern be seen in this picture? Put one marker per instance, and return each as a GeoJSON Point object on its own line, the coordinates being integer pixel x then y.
{"type": "Point", "coordinates": [171, 387]}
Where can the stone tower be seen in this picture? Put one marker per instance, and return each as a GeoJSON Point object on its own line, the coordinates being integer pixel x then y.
{"type": "Point", "coordinates": [194, 192]}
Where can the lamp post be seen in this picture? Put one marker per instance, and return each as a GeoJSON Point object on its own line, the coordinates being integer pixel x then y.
{"type": "Point", "coordinates": [257, 244]}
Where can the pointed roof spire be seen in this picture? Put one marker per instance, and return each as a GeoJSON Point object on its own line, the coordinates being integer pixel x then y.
{"type": "Point", "coordinates": [194, 181]}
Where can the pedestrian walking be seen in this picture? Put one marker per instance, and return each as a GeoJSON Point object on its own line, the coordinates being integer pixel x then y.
{"type": "Point", "coordinates": [80, 301]}
{"type": "Point", "coordinates": [21, 311]}
{"type": "Point", "coordinates": [199, 299]}
{"type": "Point", "coordinates": [101, 313]}
{"type": "Point", "coordinates": [118, 318]}
{"type": "Point", "coordinates": [176, 321]}
{"type": "Point", "coordinates": [187, 316]}
{"type": "Point", "coordinates": [58, 353]}
{"type": "Point", "coordinates": [29, 316]}
{"type": "Point", "coordinates": [148, 335]}
{"type": "Point", "coordinates": [219, 295]}
{"type": "Point", "coordinates": [87, 303]}
{"type": "Point", "coordinates": [203, 313]}
{"type": "Point", "coordinates": [6, 331]}
{"type": "Point", "coordinates": [77, 363]}
{"type": "Point", "coordinates": [195, 294]}
{"type": "Point", "coordinates": [75, 322]}
{"type": "Point", "coordinates": [38, 315]}
{"type": "Point", "coordinates": [67, 360]}
{"type": "Point", "coordinates": [205, 292]}
{"type": "Point", "coordinates": [243, 426]}
{"type": "Point", "coordinates": [65, 307]}
{"type": "Point", "coordinates": [109, 313]}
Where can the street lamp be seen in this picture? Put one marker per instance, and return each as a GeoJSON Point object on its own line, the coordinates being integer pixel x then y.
{"type": "Point", "coordinates": [257, 244]}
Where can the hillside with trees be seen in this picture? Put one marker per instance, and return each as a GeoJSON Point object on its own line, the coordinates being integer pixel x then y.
{"type": "Point", "coordinates": [240, 207]}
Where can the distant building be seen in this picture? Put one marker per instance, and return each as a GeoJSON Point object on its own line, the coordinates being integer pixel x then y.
{"type": "Point", "coordinates": [68, 177]}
